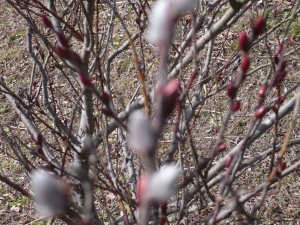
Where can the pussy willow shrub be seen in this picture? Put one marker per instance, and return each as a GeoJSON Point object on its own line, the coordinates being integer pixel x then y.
{"type": "Point", "coordinates": [169, 106]}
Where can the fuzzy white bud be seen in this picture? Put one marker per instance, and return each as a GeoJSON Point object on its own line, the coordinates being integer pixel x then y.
{"type": "Point", "coordinates": [164, 12]}
{"type": "Point", "coordinates": [87, 142]}
{"type": "Point", "coordinates": [49, 192]}
{"type": "Point", "coordinates": [161, 185]}
{"type": "Point", "coordinates": [140, 133]}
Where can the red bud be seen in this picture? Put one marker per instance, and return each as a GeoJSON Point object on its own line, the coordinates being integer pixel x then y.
{"type": "Point", "coordinates": [228, 160]}
{"type": "Point", "coordinates": [259, 26]}
{"type": "Point", "coordinates": [280, 76]}
{"type": "Point", "coordinates": [235, 106]}
{"type": "Point", "coordinates": [85, 80]}
{"type": "Point", "coordinates": [137, 20]}
{"type": "Point", "coordinates": [46, 21]}
{"type": "Point", "coordinates": [282, 166]}
{"type": "Point", "coordinates": [262, 90]}
{"type": "Point", "coordinates": [261, 112]}
{"type": "Point", "coordinates": [280, 48]}
{"type": "Point", "coordinates": [278, 174]}
{"type": "Point", "coordinates": [62, 39]}
{"type": "Point", "coordinates": [231, 90]}
{"type": "Point", "coordinates": [245, 64]}
{"type": "Point", "coordinates": [280, 100]}
{"type": "Point", "coordinates": [243, 41]}
{"type": "Point", "coordinates": [107, 112]}
{"type": "Point", "coordinates": [170, 93]}
{"type": "Point", "coordinates": [171, 90]}
{"type": "Point", "coordinates": [221, 147]}
{"type": "Point", "coordinates": [105, 98]}
{"type": "Point", "coordinates": [64, 138]}
{"type": "Point", "coordinates": [61, 52]}
{"type": "Point", "coordinates": [276, 59]}
{"type": "Point", "coordinates": [51, 53]}
{"type": "Point", "coordinates": [76, 58]}
{"type": "Point", "coordinates": [38, 138]}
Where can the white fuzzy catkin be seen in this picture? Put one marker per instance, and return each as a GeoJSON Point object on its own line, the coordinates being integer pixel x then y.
{"type": "Point", "coordinates": [163, 13]}
{"type": "Point", "coordinates": [161, 184]}
{"type": "Point", "coordinates": [48, 192]}
{"type": "Point", "coordinates": [140, 133]}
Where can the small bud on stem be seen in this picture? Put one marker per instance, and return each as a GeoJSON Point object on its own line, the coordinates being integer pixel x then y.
{"type": "Point", "coordinates": [46, 21]}
{"type": "Point", "coordinates": [221, 147]}
{"type": "Point", "coordinates": [170, 93]}
{"type": "Point", "coordinates": [276, 59]}
{"type": "Point", "coordinates": [137, 20]}
{"type": "Point", "coordinates": [235, 106]}
{"type": "Point", "coordinates": [38, 139]}
{"type": "Point", "coordinates": [243, 41]}
{"type": "Point", "coordinates": [259, 26]}
{"type": "Point", "coordinates": [231, 90]}
{"type": "Point", "coordinates": [105, 98]}
{"type": "Point", "coordinates": [283, 166]}
{"type": "Point", "coordinates": [228, 160]}
{"type": "Point", "coordinates": [245, 63]}
{"type": "Point", "coordinates": [261, 112]}
{"type": "Point", "coordinates": [280, 101]}
{"type": "Point", "coordinates": [107, 112]}
{"type": "Point", "coordinates": [61, 52]}
{"type": "Point", "coordinates": [280, 48]}
{"type": "Point", "coordinates": [85, 80]}
{"type": "Point", "coordinates": [76, 58]}
{"type": "Point", "coordinates": [62, 39]}
{"type": "Point", "coordinates": [280, 76]}
{"type": "Point", "coordinates": [262, 90]}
